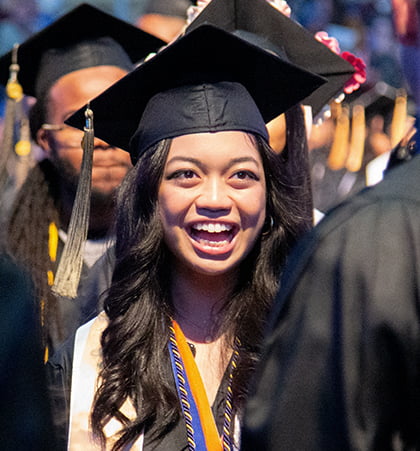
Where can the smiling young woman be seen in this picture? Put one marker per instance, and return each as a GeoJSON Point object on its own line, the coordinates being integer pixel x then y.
{"type": "Point", "coordinates": [195, 248]}
{"type": "Point", "coordinates": [205, 220]}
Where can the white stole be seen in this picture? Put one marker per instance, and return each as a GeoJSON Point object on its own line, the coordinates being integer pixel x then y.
{"type": "Point", "coordinates": [86, 366]}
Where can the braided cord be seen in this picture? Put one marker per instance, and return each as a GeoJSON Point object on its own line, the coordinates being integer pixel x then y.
{"type": "Point", "coordinates": [183, 392]}
{"type": "Point", "coordinates": [227, 443]}
{"type": "Point", "coordinates": [180, 375]}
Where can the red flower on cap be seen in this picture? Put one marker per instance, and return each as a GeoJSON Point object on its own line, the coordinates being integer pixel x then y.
{"type": "Point", "coordinates": [359, 76]}
{"type": "Point", "coordinates": [330, 42]}
{"type": "Point", "coordinates": [359, 65]}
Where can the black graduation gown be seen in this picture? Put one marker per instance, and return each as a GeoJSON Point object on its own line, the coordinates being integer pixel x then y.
{"type": "Point", "coordinates": [25, 417]}
{"type": "Point", "coordinates": [91, 289]}
{"type": "Point", "coordinates": [93, 283]}
{"type": "Point", "coordinates": [59, 369]}
{"type": "Point", "coordinates": [341, 366]}
{"type": "Point", "coordinates": [70, 311]}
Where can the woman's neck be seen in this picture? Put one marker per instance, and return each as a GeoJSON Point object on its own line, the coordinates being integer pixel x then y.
{"type": "Point", "coordinates": [199, 302]}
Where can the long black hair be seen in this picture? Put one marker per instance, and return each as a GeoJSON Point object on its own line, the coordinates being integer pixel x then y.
{"type": "Point", "coordinates": [138, 304]}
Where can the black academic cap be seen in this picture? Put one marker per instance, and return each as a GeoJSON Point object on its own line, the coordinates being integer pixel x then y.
{"type": "Point", "coordinates": [84, 37]}
{"type": "Point", "coordinates": [300, 46]}
{"type": "Point", "coordinates": [379, 100]}
{"type": "Point", "coordinates": [205, 55]}
{"type": "Point", "coordinates": [175, 8]}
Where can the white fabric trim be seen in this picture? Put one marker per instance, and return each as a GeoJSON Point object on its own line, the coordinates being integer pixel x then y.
{"type": "Point", "coordinates": [86, 363]}
{"type": "Point", "coordinates": [375, 169]}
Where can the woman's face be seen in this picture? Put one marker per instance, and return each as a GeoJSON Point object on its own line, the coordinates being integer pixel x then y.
{"type": "Point", "coordinates": [212, 200]}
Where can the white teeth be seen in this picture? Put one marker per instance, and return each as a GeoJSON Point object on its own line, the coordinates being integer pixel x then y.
{"type": "Point", "coordinates": [210, 244]}
{"type": "Point", "coordinates": [212, 227]}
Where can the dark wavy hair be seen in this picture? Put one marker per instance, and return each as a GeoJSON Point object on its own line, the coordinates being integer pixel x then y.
{"type": "Point", "coordinates": [138, 303]}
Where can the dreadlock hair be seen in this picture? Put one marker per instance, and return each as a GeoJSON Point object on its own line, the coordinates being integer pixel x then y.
{"type": "Point", "coordinates": [138, 304]}
{"type": "Point", "coordinates": [28, 234]}
{"type": "Point", "coordinates": [35, 208]}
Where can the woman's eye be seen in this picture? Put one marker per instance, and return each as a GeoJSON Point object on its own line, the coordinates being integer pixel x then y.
{"type": "Point", "coordinates": [244, 175]}
{"type": "Point", "coordinates": [188, 174]}
{"type": "Point", "coordinates": [183, 174]}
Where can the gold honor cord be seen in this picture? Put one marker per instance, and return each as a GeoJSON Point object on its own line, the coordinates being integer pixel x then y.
{"type": "Point", "coordinates": [399, 118]}
{"type": "Point", "coordinates": [52, 253]}
{"type": "Point", "coordinates": [340, 145]}
{"type": "Point", "coordinates": [357, 140]}
{"type": "Point", "coordinates": [70, 267]}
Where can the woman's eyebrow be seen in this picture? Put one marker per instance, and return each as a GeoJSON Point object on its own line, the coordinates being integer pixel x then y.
{"type": "Point", "coordinates": [239, 160]}
{"type": "Point", "coordinates": [198, 163]}
{"type": "Point", "coordinates": [195, 161]}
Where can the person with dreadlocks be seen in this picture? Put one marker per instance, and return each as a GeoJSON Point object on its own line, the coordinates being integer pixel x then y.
{"type": "Point", "coordinates": [63, 66]}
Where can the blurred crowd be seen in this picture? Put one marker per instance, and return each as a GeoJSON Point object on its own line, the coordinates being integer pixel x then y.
{"type": "Point", "coordinates": [361, 26]}
{"type": "Point", "coordinates": [364, 28]}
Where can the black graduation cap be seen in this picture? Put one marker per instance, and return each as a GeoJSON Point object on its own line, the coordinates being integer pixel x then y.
{"type": "Point", "coordinates": [260, 18]}
{"type": "Point", "coordinates": [206, 55]}
{"type": "Point", "coordinates": [84, 37]}
{"type": "Point", "coordinates": [379, 100]}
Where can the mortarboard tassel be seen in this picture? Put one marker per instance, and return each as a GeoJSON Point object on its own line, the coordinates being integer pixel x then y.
{"type": "Point", "coordinates": [70, 267]}
{"type": "Point", "coordinates": [399, 118]}
{"type": "Point", "coordinates": [340, 144]}
{"type": "Point", "coordinates": [14, 94]}
{"type": "Point", "coordinates": [357, 140]}
{"type": "Point", "coordinates": [23, 147]}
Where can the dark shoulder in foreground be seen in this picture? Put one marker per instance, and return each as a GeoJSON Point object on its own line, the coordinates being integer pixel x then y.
{"type": "Point", "coordinates": [340, 368]}
{"type": "Point", "coordinates": [59, 371]}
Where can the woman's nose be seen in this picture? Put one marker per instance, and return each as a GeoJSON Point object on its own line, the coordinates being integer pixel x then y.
{"type": "Point", "coordinates": [214, 196]}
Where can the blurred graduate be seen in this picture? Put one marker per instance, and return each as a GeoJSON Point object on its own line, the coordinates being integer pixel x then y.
{"type": "Point", "coordinates": [63, 66]}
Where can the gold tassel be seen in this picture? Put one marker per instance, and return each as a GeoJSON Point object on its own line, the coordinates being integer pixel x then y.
{"type": "Point", "coordinates": [399, 118]}
{"type": "Point", "coordinates": [340, 144]}
{"type": "Point", "coordinates": [14, 94]}
{"type": "Point", "coordinates": [70, 267]}
{"type": "Point", "coordinates": [357, 140]}
{"type": "Point", "coordinates": [24, 160]}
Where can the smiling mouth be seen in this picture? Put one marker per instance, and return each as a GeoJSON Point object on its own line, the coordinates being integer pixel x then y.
{"type": "Point", "coordinates": [212, 235]}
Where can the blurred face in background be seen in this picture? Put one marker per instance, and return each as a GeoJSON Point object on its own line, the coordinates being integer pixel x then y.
{"type": "Point", "coordinates": [62, 143]}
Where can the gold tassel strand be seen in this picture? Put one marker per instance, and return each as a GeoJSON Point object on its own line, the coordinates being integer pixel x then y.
{"type": "Point", "coordinates": [399, 118]}
{"type": "Point", "coordinates": [357, 140]}
{"type": "Point", "coordinates": [23, 149]}
{"type": "Point", "coordinates": [70, 267]}
{"type": "Point", "coordinates": [14, 94]}
{"type": "Point", "coordinates": [340, 144]}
